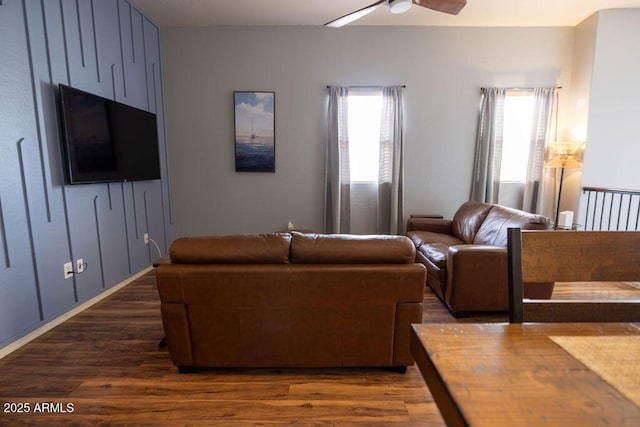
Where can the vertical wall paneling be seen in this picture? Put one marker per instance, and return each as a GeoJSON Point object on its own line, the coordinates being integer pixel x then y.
{"type": "Point", "coordinates": [95, 41]}
{"type": "Point", "coordinates": [97, 46]}
{"type": "Point", "coordinates": [27, 210]}
{"type": "Point", "coordinates": [3, 240]}
{"type": "Point", "coordinates": [137, 247]}
{"type": "Point", "coordinates": [121, 39]}
{"type": "Point", "coordinates": [37, 102]}
{"type": "Point", "coordinates": [146, 221]}
{"type": "Point", "coordinates": [109, 193]}
{"type": "Point", "coordinates": [133, 36]}
{"type": "Point", "coordinates": [132, 46]}
{"type": "Point", "coordinates": [76, 21]}
{"type": "Point", "coordinates": [63, 26]}
{"type": "Point", "coordinates": [113, 81]}
{"type": "Point", "coordinates": [96, 213]}
{"type": "Point", "coordinates": [47, 222]}
{"type": "Point", "coordinates": [163, 232]}
{"type": "Point", "coordinates": [135, 210]}
{"type": "Point", "coordinates": [19, 308]}
{"type": "Point", "coordinates": [107, 46]}
{"type": "Point", "coordinates": [80, 38]}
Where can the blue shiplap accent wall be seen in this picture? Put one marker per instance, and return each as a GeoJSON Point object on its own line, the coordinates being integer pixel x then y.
{"type": "Point", "coordinates": [105, 47]}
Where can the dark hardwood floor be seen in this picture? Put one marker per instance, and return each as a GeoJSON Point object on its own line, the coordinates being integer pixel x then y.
{"type": "Point", "coordinates": [104, 367]}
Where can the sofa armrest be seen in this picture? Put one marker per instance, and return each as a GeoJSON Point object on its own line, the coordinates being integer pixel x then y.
{"type": "Point", "coordinates": [429, 223]}
{"type": "Point", "coordinates": [406, 314]}
{"type": "Point", "coordinates": [177, 333]}
{"type": "Point", "coordinates": [163, 260]}
{"type": "Point", "coordinates": [469, 265]}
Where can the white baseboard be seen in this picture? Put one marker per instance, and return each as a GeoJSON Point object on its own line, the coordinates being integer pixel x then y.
{"type": "Point", "coordinates": [69, 314]}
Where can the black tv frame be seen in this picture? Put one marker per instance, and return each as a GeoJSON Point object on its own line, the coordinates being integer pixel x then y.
{"type": "Point", "coordinates": [105, 140]}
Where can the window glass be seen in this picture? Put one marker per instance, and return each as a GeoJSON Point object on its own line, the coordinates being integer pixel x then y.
{"type": "Point", "coordinates": [516, 138]}
{"type": "Point", "coordinates": [365, 110]}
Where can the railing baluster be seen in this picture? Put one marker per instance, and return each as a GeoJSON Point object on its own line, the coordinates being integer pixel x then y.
{"type": "Point", "coordinates": [626, 225]}
{"type": "Point", "coordinates": [595, 206]}
{"type": "Point", "coordinates": [604, 199]}
{"type": "Point", "coordinates": [586, 216]}
{"type": "Point", "coordinates": [619, 210]}
{"type": "Point", "coordinates": [607, 208]}
{"type": "Point", "coordinates": [638, 214]}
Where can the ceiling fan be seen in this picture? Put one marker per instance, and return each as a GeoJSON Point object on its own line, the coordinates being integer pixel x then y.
{"type": "Point", "coordinates": [451, 7]}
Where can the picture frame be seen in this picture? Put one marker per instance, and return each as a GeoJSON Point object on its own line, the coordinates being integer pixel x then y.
{"type": "Point", "coordinates": [254, 131]}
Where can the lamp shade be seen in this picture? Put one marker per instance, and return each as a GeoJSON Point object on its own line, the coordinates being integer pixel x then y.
{"type": "Point", "coordinates": [399, 6]}
{"type": "Point", "coordinates": [565, 154]}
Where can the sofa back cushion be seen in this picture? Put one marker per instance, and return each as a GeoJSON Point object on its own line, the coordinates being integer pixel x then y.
{"type": "Point", "coordinates": [233, 249]}
{"type": "Point", "coordinates": [350, 249]}
{"type": "Point", "coordinates": [468, 219]}
{"type": "Point", "coordinates": [494, 228]}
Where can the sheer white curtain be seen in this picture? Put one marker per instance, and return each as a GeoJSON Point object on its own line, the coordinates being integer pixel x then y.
{"type": "Point", "coordinates": [391, 163]}
{"type": "Point", "coordinates": [485, 185]}
{"type": "Point", "coordinates": [338, 180]}
{"type": "Point", "coordinates": [538, 189]}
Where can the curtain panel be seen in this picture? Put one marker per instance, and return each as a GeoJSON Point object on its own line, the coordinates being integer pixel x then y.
{"type": "Point", "coordinates": [337, 173]}
{"type": "Point", "coordinates": [485, 185]}
{"type": "Point", "coordinates": [388, 209]}
{"type": "Point", "coordinates": [539, 188]}
{"type": "Point", "coordinates": [391, 163]}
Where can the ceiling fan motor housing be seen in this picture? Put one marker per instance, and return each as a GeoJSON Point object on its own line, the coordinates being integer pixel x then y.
{"type": "Point", "coordinates": [399, 6]}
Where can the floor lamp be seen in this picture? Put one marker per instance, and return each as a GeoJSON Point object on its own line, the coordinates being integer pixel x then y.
{"type": "Point", "coordinates": [564, 155]}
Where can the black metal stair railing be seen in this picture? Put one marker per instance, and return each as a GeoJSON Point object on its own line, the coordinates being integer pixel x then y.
{"type": "Point", "coordinates": [611, 209]}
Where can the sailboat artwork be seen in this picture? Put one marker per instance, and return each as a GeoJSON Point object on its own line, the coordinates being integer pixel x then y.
{"type": "Point", "coordinates": [254, 131]}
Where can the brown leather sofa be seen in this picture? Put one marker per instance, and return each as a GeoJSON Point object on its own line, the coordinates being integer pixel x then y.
{"type": "Point", "coordinates": [290, 300]}
{"type": "Point", "coordinates": [466, 257]}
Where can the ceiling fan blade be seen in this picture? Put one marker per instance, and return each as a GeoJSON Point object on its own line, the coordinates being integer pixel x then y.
{"type": "Point", "coordinates": [452, 7]}
{"type": "Point", "coordinates": [350, 17]}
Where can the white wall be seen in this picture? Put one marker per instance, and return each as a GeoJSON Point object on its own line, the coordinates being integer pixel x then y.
{"type": "Point", "coordinates": [613, 137]}
{"type": "Point", "coordinates": [575, 127]}
{"type": "Point", "coordinates": [581, 73]}
{"type": "Point", "coordinates": [443, 69]}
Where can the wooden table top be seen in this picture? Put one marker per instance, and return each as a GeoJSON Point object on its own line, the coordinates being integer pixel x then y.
{"type": "Point", "coordinates": [502, 374]}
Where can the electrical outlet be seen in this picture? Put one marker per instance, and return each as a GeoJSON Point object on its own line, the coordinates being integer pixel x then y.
{"type": "Point", "coordinates": [80, 265]}
{"type": "Point", "coordinates": [146, 238]}
{"type": "Point", "coordinates": [68, 270]}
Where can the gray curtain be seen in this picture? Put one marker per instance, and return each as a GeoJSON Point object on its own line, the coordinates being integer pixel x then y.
{"type": "Point", "coordinates": [537, 183]}
{"type": "Point", "coordinates": [391, 164]}
{"type": "Point", "coordinates": [337, 190]}
{"type": "Point", "coordinates": [485, 183]}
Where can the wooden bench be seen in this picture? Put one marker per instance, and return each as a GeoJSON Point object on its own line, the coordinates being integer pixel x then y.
{"type": "Point", "coordinates": [572, 256]}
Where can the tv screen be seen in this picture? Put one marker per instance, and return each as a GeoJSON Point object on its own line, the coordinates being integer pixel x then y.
{"type": "Point", "coordinates": [107, 141]}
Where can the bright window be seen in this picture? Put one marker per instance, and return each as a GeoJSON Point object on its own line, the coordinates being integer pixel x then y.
{"type": "Point", "coordinates": [365, 110]}
{"type": "Point", "coordinates": [518, 118]}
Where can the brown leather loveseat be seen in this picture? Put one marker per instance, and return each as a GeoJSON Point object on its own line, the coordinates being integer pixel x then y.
{"type": "Point", "coordinates": [290, 300]}
{"type": "Point", "coordinates": [466, 257]}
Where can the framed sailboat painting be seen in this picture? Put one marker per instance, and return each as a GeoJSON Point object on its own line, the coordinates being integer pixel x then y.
{"type": "Point", "coordinates": [254, 116]}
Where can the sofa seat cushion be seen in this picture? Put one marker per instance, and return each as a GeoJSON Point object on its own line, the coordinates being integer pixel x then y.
{"type": "Point", "coordinates": [309, 248]}
{"type": "Point", "coordinates": [233, 249]}
{"type": "Point", "coordinates": [425, 237]}
{"type": "Point", "coordinates": [436, 253]}
{"type": "Point", "coordinates": [433, 272]}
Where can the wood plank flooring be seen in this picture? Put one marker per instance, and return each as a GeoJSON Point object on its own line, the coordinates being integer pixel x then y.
{"type": "Point", "coordinates": [104, 367]}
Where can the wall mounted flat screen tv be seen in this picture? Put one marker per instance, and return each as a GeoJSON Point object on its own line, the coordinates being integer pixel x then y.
{"type": "Point", "coordinates": [106, 141]}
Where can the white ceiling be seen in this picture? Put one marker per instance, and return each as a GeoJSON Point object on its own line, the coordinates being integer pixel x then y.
{"type": "Point", "coordinates": [318, 12]}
